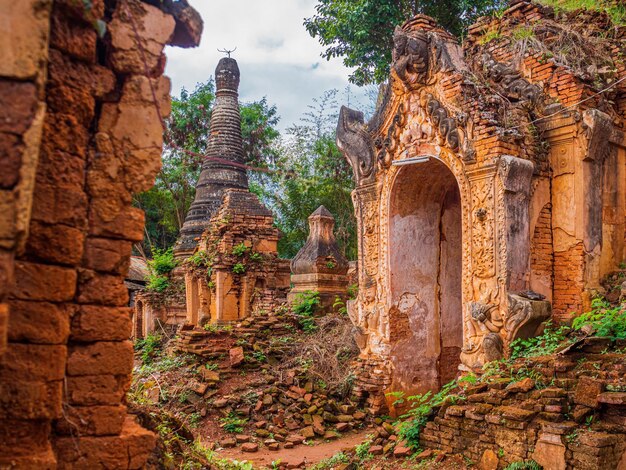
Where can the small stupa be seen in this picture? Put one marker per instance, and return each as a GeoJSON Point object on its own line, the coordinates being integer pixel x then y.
{"type": "Point", "coordinates": [320, 266]}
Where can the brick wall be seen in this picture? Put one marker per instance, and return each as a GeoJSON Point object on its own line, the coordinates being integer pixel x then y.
{"type": "Point", "coordinates": [568, 281]}
{"type": "Point", "coordinates": [68, 360]}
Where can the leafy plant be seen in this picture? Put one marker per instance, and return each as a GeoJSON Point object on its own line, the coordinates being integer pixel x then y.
{"type": "Point", "coordinates": [194, 419]}
{"type": "Point", "coordinates": [606, 320]}
{"type": "Point", "coordinates": [157, 283]}
{"type": "Point", "coordinates": [162, 261]}
{"type": "Point", "coordinates": [542, 345]}
{"type": "Point", "coordinates": [233, 423]}
{"type": "Point", "coordinates": [362, 450]}
{"type": "Point", "coordinates": [524, 465]}
{"type": "Point", "coordinates": [149, 347]}
{"type": "Point", "coordinates": [490, 35]}
{"type": "Point", "coordinates": [340, 306]}
{"type": "Point", "coordinates": [422, 407]}
{"type": "Point", "coordinates": [199, 258]}
{"type": "Point", "coordinates": [161, 264]}
{"type": "Point", "coordinates": [305, 307]}
{"type": "Point", "coordinates": [239, 268]}
{"type": "Point", "coordinates": [256, 257]}
{"type": "Point", "coordinates": [240, 250]}
{"type": "Point", "coordinates": [331, 462]}
{"type": "Point", "coordinates": [259, 356]}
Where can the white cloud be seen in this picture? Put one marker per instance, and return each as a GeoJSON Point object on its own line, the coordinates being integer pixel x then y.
{"type": "Point", "coordinates": [276, 55]}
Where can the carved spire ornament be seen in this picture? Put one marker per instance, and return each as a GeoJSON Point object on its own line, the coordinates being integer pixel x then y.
{"type": "Point", "coordinates": [221, 170]}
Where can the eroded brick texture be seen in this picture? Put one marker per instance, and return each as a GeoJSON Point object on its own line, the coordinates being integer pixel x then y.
{"type": "Point", "coordinates": [567, 417]}
{"type": "Point", "coordinates": [67, 364]}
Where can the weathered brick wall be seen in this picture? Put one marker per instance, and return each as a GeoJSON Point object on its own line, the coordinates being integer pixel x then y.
{"type": "Point", "coordinates": [541, 250]}
{"type": "Point", "coordinates": [568, 281]}
{"type": "Point", "coordinates": [563, 418]}
{"type": "Point", "coordinates": [23, 54]}
{"type": "Point", "coordinates": [566, 78]}
{"type": "Point", "coordinates": [68, 361]}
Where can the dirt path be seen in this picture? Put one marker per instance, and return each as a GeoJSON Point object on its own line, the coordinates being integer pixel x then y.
{"type": "Point", "coordinates": [311, 454]}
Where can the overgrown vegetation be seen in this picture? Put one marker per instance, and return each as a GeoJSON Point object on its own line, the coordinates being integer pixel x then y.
{"type": "Point", "coordinates": [159, 267]}
{"type": "Point", "coordinates": [604, 319]}
{"type": "Point", "coordinates": [421, 409]}
{"type": "Point", "coordinates": [305, 307]}
{"type": "Point", "coordinates": [149, 347]}
{"type": "Point", "coordinates": [233, 423]}
{"type": "Point", "coordinates": [546, 343]}
{"type": "Point", "coordinates": [361, 31]}
{"type": "Point", "coordinates": [326, 354]}
{"type": "Point", "coordinates": [524, 465]}
{"type": "Point", "coordinates": [616, 10]}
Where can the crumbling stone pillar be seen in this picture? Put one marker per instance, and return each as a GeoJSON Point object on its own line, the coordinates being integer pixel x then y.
{"type": "Point", "coordinates": [319, 265]}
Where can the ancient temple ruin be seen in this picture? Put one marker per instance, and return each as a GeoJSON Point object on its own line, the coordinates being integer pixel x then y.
{"type": "Point", "coordinates": [235, 269]}
{"type": "Point", "coordinates": [224, 168]}
{"type": "Point", "coordinates": [320, 266]}
{"type": "Point", "coordinates": [490, 196]}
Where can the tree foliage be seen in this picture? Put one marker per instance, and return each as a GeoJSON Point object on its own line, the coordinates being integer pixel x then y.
{"type": "Point", "coordinates": [361, 31]}
{"type": "Point", "coordinates": [312, 173]}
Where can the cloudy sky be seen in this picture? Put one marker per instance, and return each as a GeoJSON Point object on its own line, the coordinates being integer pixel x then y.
{"type": "Point", "coordinates": [276, 55]}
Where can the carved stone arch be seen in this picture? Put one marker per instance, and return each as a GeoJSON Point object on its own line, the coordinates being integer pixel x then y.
{"type": "Point", "coordinates": [394, 309]}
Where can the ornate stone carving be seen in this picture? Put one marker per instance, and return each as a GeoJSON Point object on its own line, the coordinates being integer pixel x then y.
{"type": "Point", "coordinates": [354, 140]}
{"type": "Point", "coordinates": [483, 249]}
{"type": "Point", "coordinates": [482, 313]}
{"type": "Point", "coordinates": [524, 316]}
{"type": "Point", "coordinates": [411, 55]}
{"type": "Point", "coordinates": [510, 79]}
{"type": "Point", "coordinates": [493, 347]}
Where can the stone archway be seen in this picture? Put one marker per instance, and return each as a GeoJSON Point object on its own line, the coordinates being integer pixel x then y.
{"type": "Point", "coordinates": [425, 266]}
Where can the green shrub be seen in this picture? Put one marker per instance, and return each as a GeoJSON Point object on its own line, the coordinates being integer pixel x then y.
{"type": "Point", "coordinates": [524, 465]}
{"type": "Point", "coordinates": [239, 268]}
{"type": "Point", "coordinates": [422, 407]}
{"type": "Point", "coordinates": [233, 423]}
{"type": "Point", "coordinates": [607, 321]}
{"type": "Point", "coordinates": [200, 258]}
{"type": "Point", "coordinates": [340, 306]}
{"type": "Point", "coordinates": [157, 283]}
{"type": "Point", "coordinates": [256, 257]}
{"type": "Point", "coordinates": [240, 250]}
{"type": "Point", "coordinates": [159, 267]}
{"type": "Point", "coordinates": [542, 345]}
{"type": "Point", "coordinates": [305, 307]}
{"type": "Point", "coordinates": [162, 261]}
{"type": "Point", "coordinates": [149, 347]}
{"type": "Point", "coordinates": [353, 291]}
{"type": "Point", "coordinates": [259, 356]}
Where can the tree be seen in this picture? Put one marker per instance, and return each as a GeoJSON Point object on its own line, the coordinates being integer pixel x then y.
{"type": "Point", "coordinates": [186, 140]}
{"type": "Point", "coordinates": [361, 31]}
{"type": "Point", "coordinates": [312, 172]}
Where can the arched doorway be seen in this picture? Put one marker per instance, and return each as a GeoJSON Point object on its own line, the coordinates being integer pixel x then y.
{"type": "Point", "coordinates": [425, 251]}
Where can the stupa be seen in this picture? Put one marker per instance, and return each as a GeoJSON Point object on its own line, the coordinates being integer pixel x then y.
{"type": "Point", "coordinates": [223, 169]}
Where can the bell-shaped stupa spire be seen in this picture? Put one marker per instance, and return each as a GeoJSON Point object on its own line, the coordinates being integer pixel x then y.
{"type": "Point", "coordinates": [223, 168]}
